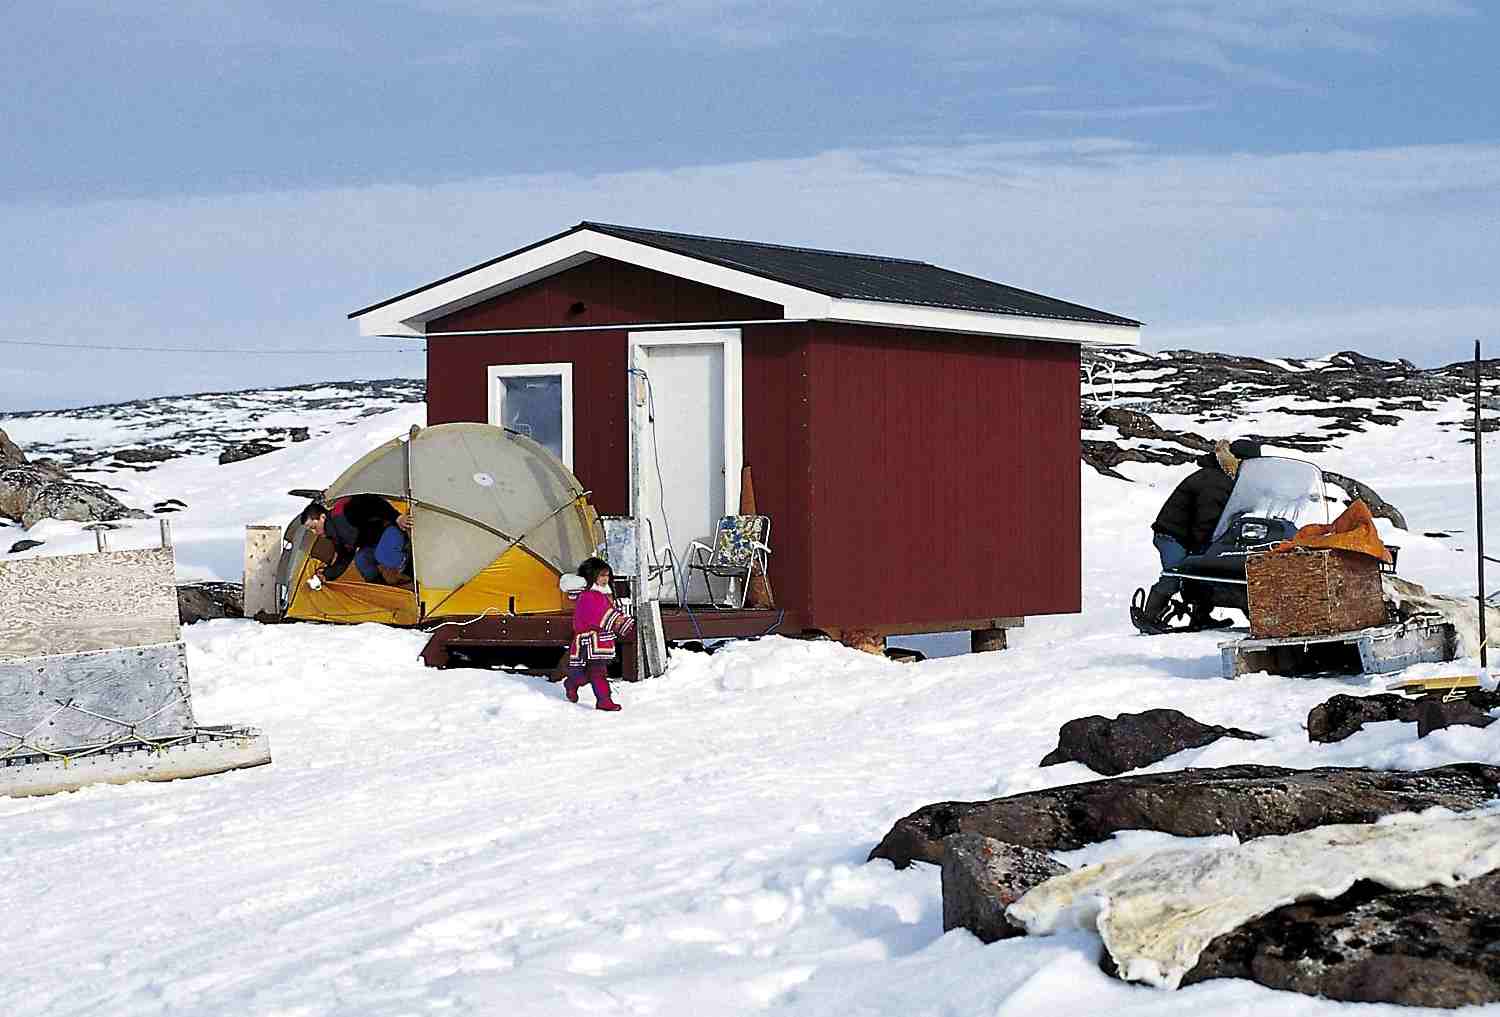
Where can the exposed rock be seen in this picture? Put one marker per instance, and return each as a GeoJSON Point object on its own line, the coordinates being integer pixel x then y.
{"type": "Point", "coordinates": [1133, 740]}
{"type": "Point", "coordinates": [10, 452]}
{"type": "Point", "coordinates": [246, 450]}
{"type": "Point", "coordinates": [25, 545]}
{"type": "Point", "coordinates": [1247, 801]}
{"type": "Point", "coordinates": [202, 601]}
{"type": "Point", "coordinates": [1436, 713]}
{"type": "Point", "coordinates": [982, 877]}
{"type": "Point", "coordinates": [30, 495]}
{"type": "Point", "coordinates": [149, 454]}
{"type": "Point", "coordinates": [1343, 715]}
{"type": "Point", "coordinates": [299, 434]}
{"type": "Point", "coordinates": [1431, 947]}
{"type": "Point", "coordinates": [1358, 491]}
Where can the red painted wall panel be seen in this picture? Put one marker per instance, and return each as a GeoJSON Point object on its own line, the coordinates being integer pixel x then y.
{"type": "Point", "coordinates": [911, 477]}
{"type": "Point", "coordinates": [611, 292]}
{"type": "Point", "coordinates": [945, 481]}
{"type": "Point", "coordinates": [777, 450]}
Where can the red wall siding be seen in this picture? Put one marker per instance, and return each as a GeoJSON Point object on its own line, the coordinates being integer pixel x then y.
{"type": "Point", "coordinates": [611, 292]}
{"type": "Point", "coordinates": [945, 481]}
{"type": "Point", "coordinates": [911, 477]}
{"type": "Point", "coordinates": [778, 452]}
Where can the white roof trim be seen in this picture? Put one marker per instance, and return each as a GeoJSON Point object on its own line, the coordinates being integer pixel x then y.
{"type": "Point", "coordinates": [409, 315]}
{"type": "Point", "coordinates": [951, 319]}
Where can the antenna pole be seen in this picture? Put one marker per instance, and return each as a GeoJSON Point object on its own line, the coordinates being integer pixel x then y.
{"type": "Point", "coordinates": [1479, 504]}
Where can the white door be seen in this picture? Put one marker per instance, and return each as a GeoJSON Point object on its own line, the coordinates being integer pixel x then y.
{"type": "Point", "coordinates": [685, 403]}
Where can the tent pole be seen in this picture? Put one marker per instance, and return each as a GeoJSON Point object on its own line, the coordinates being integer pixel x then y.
{"type": "Point", "coordinates": [1484, 658]}
{"type": "Point", "coordinates": [416, 587]}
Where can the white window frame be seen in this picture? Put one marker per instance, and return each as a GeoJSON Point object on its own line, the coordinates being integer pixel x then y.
{"type": "Point", "coordinates": [565, 370]}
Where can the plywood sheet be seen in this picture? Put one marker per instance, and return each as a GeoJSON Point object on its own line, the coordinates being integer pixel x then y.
{"type": "Point", "coordinates": [73, 700]}
{"type": "Point", "coordinates": [80, 602]}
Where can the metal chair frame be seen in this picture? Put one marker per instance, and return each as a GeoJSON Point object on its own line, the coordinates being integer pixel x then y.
{"type": "Point", "coordinates": [711, 562]}
{"type": "Point", "coordinates": [656, 568]}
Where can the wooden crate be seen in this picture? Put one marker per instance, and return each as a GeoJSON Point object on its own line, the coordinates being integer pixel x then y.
{"type": "Point", "coordinates": [1312, 593]}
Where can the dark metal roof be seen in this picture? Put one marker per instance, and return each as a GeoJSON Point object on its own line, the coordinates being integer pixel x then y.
{"type": "Point", "coordinates": [835, 274]}
{"type": "Point", "coordinates": [863, 276]}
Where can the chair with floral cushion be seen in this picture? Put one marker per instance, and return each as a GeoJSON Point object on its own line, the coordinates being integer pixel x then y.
{"type": "Point", "coordinates": [741, 549]}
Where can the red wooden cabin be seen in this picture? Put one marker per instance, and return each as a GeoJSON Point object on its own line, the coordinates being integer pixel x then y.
{"type": "Point", "coordinates": [913, 431]}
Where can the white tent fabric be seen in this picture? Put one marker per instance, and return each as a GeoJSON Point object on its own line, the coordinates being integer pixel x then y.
{"type": "Point", "coordinates": [474, 490]}
{"type": "Point", "coordinates": [1156, 913]}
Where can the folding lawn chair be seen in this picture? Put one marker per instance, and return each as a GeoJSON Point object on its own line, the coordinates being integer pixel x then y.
{"type": "Point", "coordinates": [741, 549]}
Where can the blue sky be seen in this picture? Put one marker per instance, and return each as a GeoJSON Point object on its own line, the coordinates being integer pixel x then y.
{"type": "Point", "coordinates": [1257, 176]}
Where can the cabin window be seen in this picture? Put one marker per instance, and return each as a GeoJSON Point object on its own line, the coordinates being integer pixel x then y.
{"type": "Point", "coordinates": [537, 401]}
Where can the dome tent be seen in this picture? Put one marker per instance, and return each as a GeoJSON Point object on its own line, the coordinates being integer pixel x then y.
{"type": "Point", "coordinates": [497, 519]}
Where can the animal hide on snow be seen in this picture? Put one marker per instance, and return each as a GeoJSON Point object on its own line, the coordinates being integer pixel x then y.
{"type": "Point", "coordinates": [1156, 913]}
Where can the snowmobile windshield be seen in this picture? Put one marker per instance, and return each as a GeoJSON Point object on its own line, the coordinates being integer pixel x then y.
{"type": "Point", "coordinates": [1271, 487]}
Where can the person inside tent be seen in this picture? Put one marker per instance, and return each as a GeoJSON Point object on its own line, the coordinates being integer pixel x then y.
{"type": "Point", "coordinates": [1185, 526]}
{"type": "Point", "coordinates": [368, 531]}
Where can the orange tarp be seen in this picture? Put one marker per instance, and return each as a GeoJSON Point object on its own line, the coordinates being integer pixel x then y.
{"type": "Point", "coordinates": [1353, 531]}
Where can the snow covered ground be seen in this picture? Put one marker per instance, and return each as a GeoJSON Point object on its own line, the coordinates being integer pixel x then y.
{"type": "Point", "coordinates": [466, 842]}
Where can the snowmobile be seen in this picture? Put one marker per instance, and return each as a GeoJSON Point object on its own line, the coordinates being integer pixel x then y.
{"type": "Point", "coordinates": [1273, 497]}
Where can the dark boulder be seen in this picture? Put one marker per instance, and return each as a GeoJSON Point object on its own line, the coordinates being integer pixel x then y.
{"type": "Point", "coordinates": [1134, 740]}
{"type": "Point", "coordinates": [25, 545]}
{"type": "Point", "coordinates": [204, 601]}
{"type": "Point", "coordinates": [1358, 491]}
{"type": "Point", "coordinates": [148, 454]}
{"type": "Point", "coordinates": [10, 452]}
{"type": "Point", "coordinates": [1436, 713]}
{"type": "Point", "coordinates": [29, 495]}
{"type": "Point", "coordinates": [243, 450]}
{"type": "Point", "coordinates": [1343, 715]}
{"type": "Point", "coordinates": [1247, 801]}
{"type": "Point", "coordinates": [1436, 946]}
{"type": "Point", "coordinates": [982, 877]}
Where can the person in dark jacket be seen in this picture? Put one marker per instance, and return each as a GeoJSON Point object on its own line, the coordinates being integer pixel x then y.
{"type": "Point", "coordinates": [1185, 526]}
{"type": "Point", "coordinates": [369, 532]}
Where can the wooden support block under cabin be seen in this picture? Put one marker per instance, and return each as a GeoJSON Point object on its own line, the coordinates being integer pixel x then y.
{"type": "Point", "coordinates": [987, 640]}
{"type": "Point", "coordinates": [74, 603]}
{"type": "Point", "coordinates": [1312, 592]}
{"type": "Point", "coordinates": [262, 557]}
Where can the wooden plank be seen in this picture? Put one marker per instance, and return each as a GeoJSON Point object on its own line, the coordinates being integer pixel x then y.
{"type": "Point", "coordinates": [240, 749]}
{"type": "Point", "coordinates": [79, 602]}
{"type": "Point", "coordinates": [69, 701]}
{"type": "Point", "coordinates": [262, 556]}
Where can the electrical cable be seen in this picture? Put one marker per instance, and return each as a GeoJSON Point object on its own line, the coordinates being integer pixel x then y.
{"type": "Point", "coordinates": [661, 488]}
{"type": "Point", "coordinates": [199, 349]}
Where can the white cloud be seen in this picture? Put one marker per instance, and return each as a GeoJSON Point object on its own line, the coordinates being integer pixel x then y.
{"type": "Point", "coordinates": [1121, 112]}
{"type": "Point", "coordinates": [1386, 250]}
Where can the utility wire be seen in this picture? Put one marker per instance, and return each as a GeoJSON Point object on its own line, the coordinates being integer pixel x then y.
{"type": "Point", "coordinates": [271, 351]}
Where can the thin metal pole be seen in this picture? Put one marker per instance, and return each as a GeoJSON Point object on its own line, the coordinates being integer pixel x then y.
{"type": "Point", "coordinates": [100, 540]}
{"type": "Point", "coordinates": [166, 532]}
{"type": "Point", "coordinates": [1484, 650]}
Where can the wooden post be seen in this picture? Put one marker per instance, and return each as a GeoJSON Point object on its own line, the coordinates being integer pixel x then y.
{"type": "Point", "coordinates": [759, 594]}
{"type": "Point", "coordinates": [262, 556]}
{"type": "Point", "coordinates": [993, 638]}
{"type": "Point", "coordinates": [1484, 654]}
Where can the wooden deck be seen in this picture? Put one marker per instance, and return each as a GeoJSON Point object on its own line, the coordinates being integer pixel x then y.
{"type": "Point", "coordinates": [540, 633]}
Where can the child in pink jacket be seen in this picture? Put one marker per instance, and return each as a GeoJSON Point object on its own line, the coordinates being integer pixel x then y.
{"type": "Point", "coordinates": [597, 622]}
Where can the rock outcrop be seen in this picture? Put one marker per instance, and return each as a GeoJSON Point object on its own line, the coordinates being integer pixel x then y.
{"type": "Point", "coordinates": [205, 601]}
{"type": "Point", "coordinates": [1343, 715]}
{"type": "Point", "coordinates": [1247, 801]}
{"type": "Point", "coordinates": [1430, 947]}
{"type": "Point", "coordinates": [982, 877]}
{"type": "Point", "coordinates": [29, 494]}
{"type": "Point", "coordinates": [10, 452]}
{"type": "Point", "coordinates": [1134, 740]}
